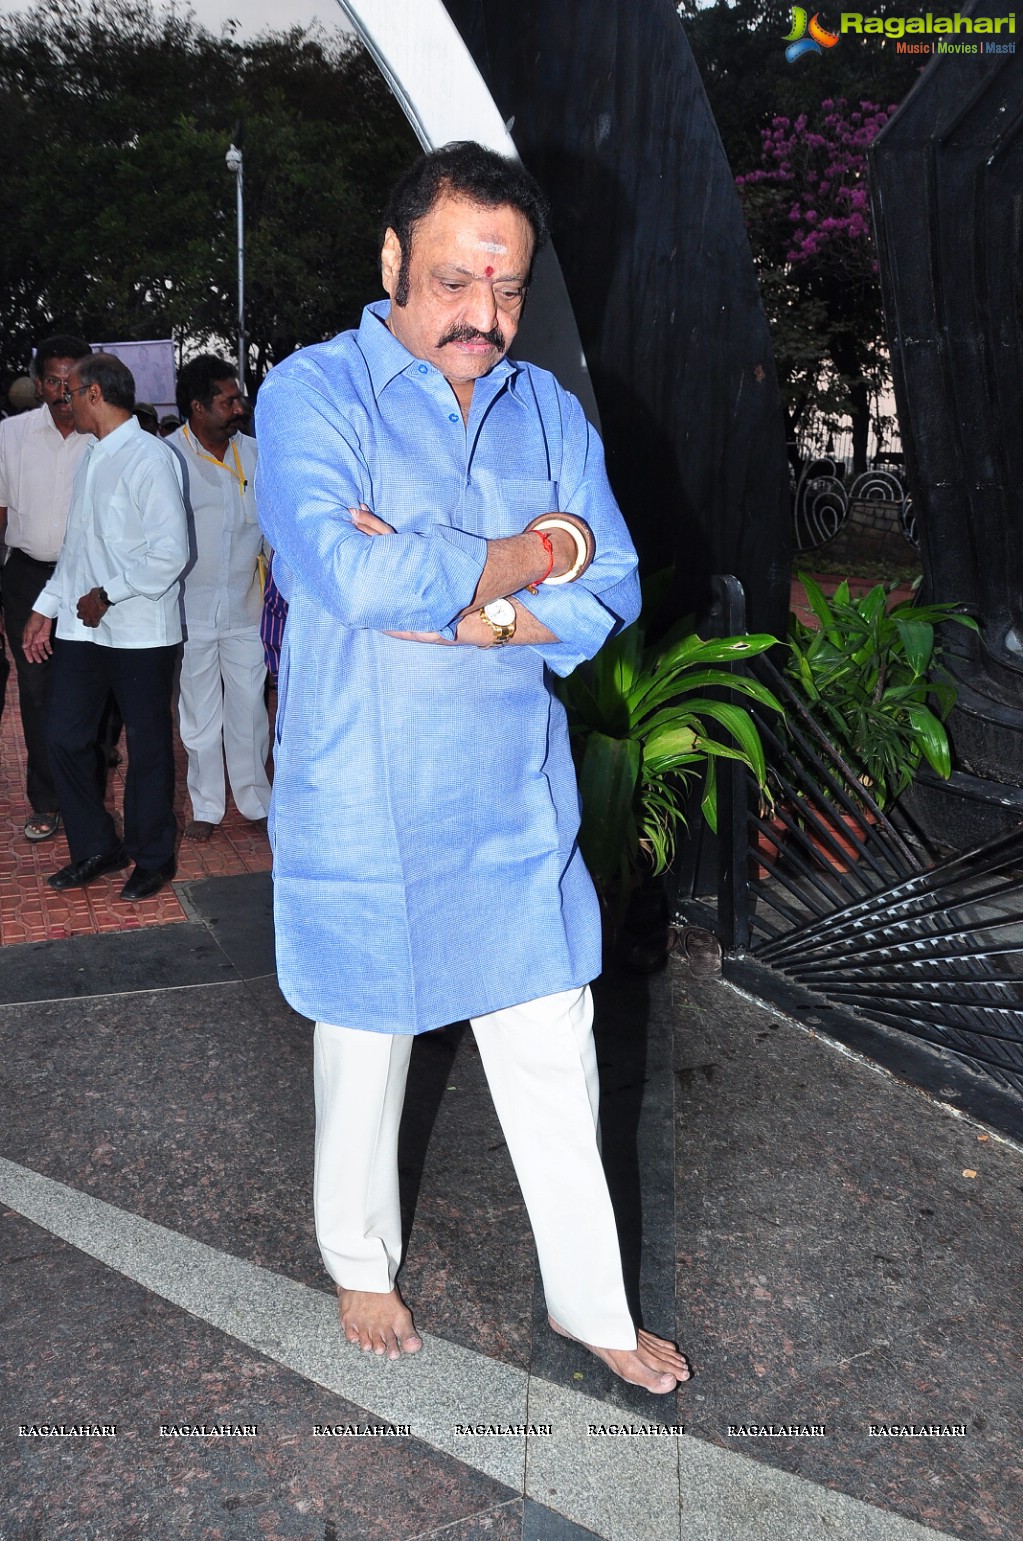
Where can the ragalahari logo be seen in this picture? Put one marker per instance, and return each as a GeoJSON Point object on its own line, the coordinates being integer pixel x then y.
{"type": "Point", "coordinates": [807, 35]}
{"type": "Point", "coordinates": [927, 34]}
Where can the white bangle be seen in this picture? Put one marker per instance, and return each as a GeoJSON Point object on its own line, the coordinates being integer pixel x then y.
{"type": "Point", "coordinates": [554, 523]}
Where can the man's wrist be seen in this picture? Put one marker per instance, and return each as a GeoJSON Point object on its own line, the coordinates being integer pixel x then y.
{"type": "Point", "coordinates": [571, 562]}
{"type": "Point", "coordinates": [571, 543]}
{"type": "Point", "coordinates": [548, 551]}
{"type": "Point", "coordinates": [104, 597]}
{"type": "Point", "coordinates": [473, 630]}
{"type": "Point", "coordinates": [500, 618]}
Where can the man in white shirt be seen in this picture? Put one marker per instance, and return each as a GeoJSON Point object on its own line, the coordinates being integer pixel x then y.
{"type": "Point", "coordinates": [221, 701]}
{"type": "Point", "coordinates": [114, 595]}
{"type": "Point", "coordinates": [39, 454]}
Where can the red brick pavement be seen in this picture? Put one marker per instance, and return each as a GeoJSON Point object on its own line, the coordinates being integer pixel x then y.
{"type": "Point", "coordinates": [32, 912]}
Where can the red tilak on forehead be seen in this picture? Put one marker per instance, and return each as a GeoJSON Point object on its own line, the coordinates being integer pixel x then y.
{"type": "Point", "coordinates": [489, 272]}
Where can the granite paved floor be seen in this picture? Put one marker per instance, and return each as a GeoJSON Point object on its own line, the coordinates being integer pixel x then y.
{"type": "Point", "coordinates": [807, 1225]}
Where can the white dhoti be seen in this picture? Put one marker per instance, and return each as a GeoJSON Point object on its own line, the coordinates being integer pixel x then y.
{"type": "Point", "coordinates": [222, 715]}
{"type": "Point", "coordinates": [541, 1066]}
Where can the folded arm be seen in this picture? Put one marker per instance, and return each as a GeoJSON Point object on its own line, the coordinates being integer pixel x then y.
{"type": "Point", "coordinates": [511, 564]}
{"type": "Point", "coordinates": [430, 577]}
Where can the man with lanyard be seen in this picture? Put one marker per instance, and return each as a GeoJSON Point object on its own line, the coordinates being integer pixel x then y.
{"type": "Point", "coordinates": [425, 809]}
{"type": "Point", "coordinates": [39, 453]}
{"type": "Point", "coordinates": [221, 703]}
{"type": "Point", "coordinates": [114, 594]}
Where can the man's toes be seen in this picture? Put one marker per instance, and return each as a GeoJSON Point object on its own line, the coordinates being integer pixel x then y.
{"type": "Point", "coordinates": [652, 1377]}
{"type": "Point", "coordinates": [354, 1334]}
{"type": "Point", "coordinates": [662, 1355]}
{"type": "Point", "coordinates": [403, 1340]}
{"type": "Point", "coordinates": [379, 1324]}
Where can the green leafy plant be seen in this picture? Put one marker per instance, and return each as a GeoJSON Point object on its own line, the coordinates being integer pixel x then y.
{"type": "Point", "coordinates": [645, 718]}
{"type": "Point", "coordinates": [871, 674]}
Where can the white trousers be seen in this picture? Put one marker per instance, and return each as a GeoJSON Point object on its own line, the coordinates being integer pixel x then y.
{"type": "Point", "coordinates": [541, 1066]}
{"type": "Point", "coordinates": [222, 713]}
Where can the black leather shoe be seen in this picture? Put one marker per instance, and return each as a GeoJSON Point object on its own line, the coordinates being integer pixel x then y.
{"type": "Point", "coordinates": [77, 873]}
{"type": "Point", "coordinates": [146, 881]}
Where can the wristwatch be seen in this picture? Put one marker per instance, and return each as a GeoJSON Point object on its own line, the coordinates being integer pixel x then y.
{"type": "Point", "coordinates": [500, 617]}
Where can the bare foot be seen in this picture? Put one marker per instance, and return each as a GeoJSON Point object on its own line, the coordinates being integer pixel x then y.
{"type": "Point", "coordinates": [378, 1323]}
{"type": "Point", "coordinates": [200, 830]}
{"type": "Point", "coordinates": [654, 1362]}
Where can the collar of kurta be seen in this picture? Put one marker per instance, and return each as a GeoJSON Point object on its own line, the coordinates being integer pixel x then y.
{"type": "Point", "coordinates": [387, 358]}
{"type": "Point", "coordinates": [112, 442]}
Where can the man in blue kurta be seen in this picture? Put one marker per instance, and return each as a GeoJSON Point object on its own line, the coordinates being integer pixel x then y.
{"type": "Point", "coordinates": [446, 538]}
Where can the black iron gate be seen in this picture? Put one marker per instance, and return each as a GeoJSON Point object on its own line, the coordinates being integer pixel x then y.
{"type": "Point", "coordinates": [830, 908]}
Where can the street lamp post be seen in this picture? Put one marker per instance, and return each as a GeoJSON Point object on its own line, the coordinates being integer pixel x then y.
{"type": "Point", "coordinates": [234, 165]}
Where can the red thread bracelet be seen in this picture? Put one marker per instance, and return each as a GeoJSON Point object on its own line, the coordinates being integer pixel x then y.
{"type": "Point", "coordinates": [548, 546]}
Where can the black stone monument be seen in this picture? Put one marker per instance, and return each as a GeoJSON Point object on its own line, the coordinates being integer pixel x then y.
{"type": "Point", "coordinates": [606, 108]}
{"type": "Point", "coordinates": [947, 176]}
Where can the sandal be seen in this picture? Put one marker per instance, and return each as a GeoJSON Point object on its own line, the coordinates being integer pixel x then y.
{"type": "Point", "coordinates": [701, 949]}
{"type": "Point", "coordinates": [42, 826]}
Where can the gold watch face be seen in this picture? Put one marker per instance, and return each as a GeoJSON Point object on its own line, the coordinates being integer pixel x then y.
{"type": "Point", "coordinates": [500, 617]}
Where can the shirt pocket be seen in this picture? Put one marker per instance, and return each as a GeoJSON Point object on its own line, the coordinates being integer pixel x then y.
{"type": "Point", "coordinates": [497, 506]}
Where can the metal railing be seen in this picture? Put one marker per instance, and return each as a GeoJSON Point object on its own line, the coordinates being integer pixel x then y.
{"type": "Point", "coordinates": [821, 887]}
{"type": "Point", "coordinates": [823, 498]}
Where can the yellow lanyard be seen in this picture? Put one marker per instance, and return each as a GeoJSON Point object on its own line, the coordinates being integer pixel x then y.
{"type": "Point", "coordinates": [237, 472]}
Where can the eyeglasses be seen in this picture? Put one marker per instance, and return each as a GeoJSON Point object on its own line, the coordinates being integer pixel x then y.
{"type": "Point", "coordinates": [54, 380]}
{"type": "Point", "coordinates": [76, 390]}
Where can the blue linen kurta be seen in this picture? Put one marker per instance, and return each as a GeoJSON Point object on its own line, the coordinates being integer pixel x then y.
{"type": "Point", "coordinates": [425, 808]}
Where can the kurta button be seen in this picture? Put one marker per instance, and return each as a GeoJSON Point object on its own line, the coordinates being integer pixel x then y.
{"type": "Point", "coordinates": [452, 417]}
{"type": "Point", "coordinates": [424, 369]}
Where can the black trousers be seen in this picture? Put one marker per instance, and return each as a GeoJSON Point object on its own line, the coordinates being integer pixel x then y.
{"type": "Point", "coordinates": [82, 675]}
{"type": "Point", "coordinates": [21, 582]}
{"type": "Point", "coordinates": [5, 670]}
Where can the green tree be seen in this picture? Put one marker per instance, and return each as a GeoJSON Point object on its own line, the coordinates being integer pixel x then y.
{"type": "Point", "coordinates": [117, 206]}
{"type": "Point", "coordinates": [739, 46]}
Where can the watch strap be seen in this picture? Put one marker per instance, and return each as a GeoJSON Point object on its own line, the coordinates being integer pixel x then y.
{"type": "Point", "coordinates": [503, 631]}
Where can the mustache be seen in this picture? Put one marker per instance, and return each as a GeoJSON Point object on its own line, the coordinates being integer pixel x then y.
{"type": "Point", "coordinates": [495, 337]}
